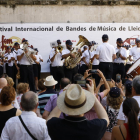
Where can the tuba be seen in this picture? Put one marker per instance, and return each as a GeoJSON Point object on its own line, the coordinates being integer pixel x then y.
{"type": "Point", "coordinates": [30, 51]}
{"type": "Point", "coordinates": [70, 63]}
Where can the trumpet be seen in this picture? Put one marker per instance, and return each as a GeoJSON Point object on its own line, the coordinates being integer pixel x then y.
{"type": "Point", "coordinates": [59, 48]}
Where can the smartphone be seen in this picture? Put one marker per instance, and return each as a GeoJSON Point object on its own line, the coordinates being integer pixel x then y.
{"type": "Point", "coordinates": [108, 79]}
{"type": "Point", "coordinates": [94, 71]}
{"type": "Point", "coordinates": [118, 78]}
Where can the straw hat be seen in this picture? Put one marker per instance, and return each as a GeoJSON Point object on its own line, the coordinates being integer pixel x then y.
{"type": "Point", "coordinates": [75, 100]}
{"type": "Point", "coordinates": [49, 81]}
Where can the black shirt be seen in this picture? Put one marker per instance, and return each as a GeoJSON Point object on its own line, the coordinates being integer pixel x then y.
{"type": "Point", "coordinates": [72, 128]}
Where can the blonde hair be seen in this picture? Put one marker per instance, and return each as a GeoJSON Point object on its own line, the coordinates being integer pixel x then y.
{"type": "Point", "coordinates": [22, 87]}
{"type": "Point", "coordinates": [10, 81]}
{"type": "Point", "coordinates": [115, 103]}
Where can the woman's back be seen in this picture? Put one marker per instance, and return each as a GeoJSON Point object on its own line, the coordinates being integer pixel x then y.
{"type": "Point", "coordinates": [5, 115]}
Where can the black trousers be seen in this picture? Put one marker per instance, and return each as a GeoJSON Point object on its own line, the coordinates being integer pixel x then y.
{"type": "Point", "coordinates": [127, 66]}
{"type": "Point", "coordinates": [10, 71]}
{"type": "Point", "coordinates": [6, 66]}
{"type": "Point", "coordinates": [39, 70]}
{"type": "Point", "coordinates": [1, 71]}
{"type": "Point", "coordinates": [69, 73]}
{"type": "Point", "coordinates": [26, 75]}
{"type": "Point", "coordinates": [118, 68]}
{"type": "Point", "coordinates": [107, 69]}
{"type": "Point", "coordinates": [96, 76]}
{"type": "Point", "coordinates": [83, 68]}
{"type": "Point", "coordinates": [35, 70]}
{"type": "Point", "coordinates": [58, 73]}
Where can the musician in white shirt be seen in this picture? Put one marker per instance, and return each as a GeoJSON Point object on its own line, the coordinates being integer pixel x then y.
{"type": "Point", "coordinates": [57, 69]}
{"type": "Point", "coordinates": [106, 54]}
{"type": "Point", "coordinates": [118, 66]}
{"type": "Point", "coordinates": [135, 51]}
{"type": "Point", "coordinates": [86, 55]}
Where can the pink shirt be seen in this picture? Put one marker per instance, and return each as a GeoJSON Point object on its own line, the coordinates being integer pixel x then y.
{"type": "Point", "coordinates": [91, 114]}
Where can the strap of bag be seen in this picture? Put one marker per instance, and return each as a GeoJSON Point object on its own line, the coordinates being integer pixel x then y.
{"type": "Point", "coordinates": [121, 132]}
{"type": "Point", "coordinates": [100, 97]}
{"type": "Point", "coordinates": [26, 128]}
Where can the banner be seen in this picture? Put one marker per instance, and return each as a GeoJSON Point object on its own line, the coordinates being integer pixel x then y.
{"type": "Point", "coordinates": [40, 35]}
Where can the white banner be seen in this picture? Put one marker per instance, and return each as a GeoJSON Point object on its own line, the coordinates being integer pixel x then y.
{"type": "Point", "coordinates": [40, 35]}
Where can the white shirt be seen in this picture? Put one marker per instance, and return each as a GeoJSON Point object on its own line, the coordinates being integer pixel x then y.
{"type": "Point", "coordinates": [105, 52]}
{"type": "Point", "coordinates": [122, 51]}
{"type": "Point", "coordinates": [135, 52]}
{"type": "Point", "coordinates": [40, 57]}
{"type": "Point", "coordinates": [128, 61]}
{"type": "Point", "coordinates": [65, 51]}
{"type": "Point", "coordinates": [6, 55]}
{"type": "Point", "coordinates": [14, 129]}
{"type": "Point", "coordinates": [24, 60]}
{"type": "Point", "coordinates": [121, 115]}
{"type": "Point", "coordinates": [57, 60]}
{"type": "Point", "coordinates": [87, 55]}
{"type": "Point", "coordinates": [14, 103]}
{"type": "Point", "coordinates": [9, 57]}
{"type": "Point", "coordinates": [95, 61]}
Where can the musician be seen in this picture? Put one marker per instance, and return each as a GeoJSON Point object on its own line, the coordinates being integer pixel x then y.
{"type": "Point", "coordinates": [5, 62]}
{"type": "Point", "coordinates": [95, 65]}
{"type": "Point", "coordinates": [106, 54]}
{"type": "Point", "coordinates": [16, 65]}
{"type": "Point", "coordinates": [86, 55]}
{"type": "Point", "coordinates": [59, 42]}
{"type": "Point", "coordinates": [10, 61]}
{"type": "Point", "coordinates": [26, 68]}
{"type": "Point", "coordinates": [121, 56]}
{"type": "Point", "coordinates": [135, 51]}
{"type": "Point", "coordinates": [69, 73]}
{"type": "Point", "coordinates": [57, 69]}
{"type": "Point", "coordinates": [1, 63]}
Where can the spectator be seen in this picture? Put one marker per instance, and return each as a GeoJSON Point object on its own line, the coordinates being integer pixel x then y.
{"type": "Point", "coordinates": [21, 89]}
{"type": "Point", "coordinates": [7, 111]}
{"type": "Point", "coordinates": [52, 103]}
{"type": "Point", "coordinates": [135, 93]}
{"type": "Point", "coordinates": [41, 86]}
{"type": "Point", "coordinates": [3, 83]}
{"type": "Point", "coordinates": [131, 129]}
{"type": "Point", "coordinates": [10, 81]}
{"type": "Point", "coordinates": [45, 96]}
{"type": "Point", "coordinates": [14, 129]}
{"type": "Point", "coordinates": [114, 100]}
{"type": "Point", "coordinates": [74, 102]}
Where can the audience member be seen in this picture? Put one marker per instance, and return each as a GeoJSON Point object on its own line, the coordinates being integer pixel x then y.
{"type": "Point", "coordinates": [114, 100]}
{"type": "Point", "coordinates": [131, 129]}
{"type": "Point", "coordinates": [41, 86]}
{"type": "Point", "coordinates": [136, 95]}
{"type": "Point", "coordinates": [3, 83]}
{"type": "Point", "coordinates": [14, 128]}
{"type": "Point", "coordinates": [52, 103]}
{"type": "Point", "coordinates": [10, 81]}
{"type": "Point", "coordinates": [7, 111]}
{"type": "Point", "coordinates": [74, 102]}
{"type": "Point", "coordinates": [45, 96]}
{"type": "Point", "coordinates": [21, 89]}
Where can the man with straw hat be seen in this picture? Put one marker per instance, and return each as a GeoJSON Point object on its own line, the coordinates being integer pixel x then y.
{"type": "Point", "coordinates": [74, 102]}
{"type": "Point", "coordinates": [45, 96]}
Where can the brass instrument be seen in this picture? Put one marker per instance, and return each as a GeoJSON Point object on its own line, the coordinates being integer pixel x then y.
{"type": "Point", "coordinates": [72, 62]}
{"type": "Point", "coordinates": [59, 48]}
{"type": "Point", "coordinates": [18, 75]}
{"type": "Point", "coordinates": [29, 52]}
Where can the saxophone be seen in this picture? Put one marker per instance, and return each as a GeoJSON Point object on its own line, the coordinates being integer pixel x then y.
{"type": "Point", "coordinates": [70, 63]}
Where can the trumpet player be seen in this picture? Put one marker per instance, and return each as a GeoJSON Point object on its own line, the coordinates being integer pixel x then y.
{"type": "Point", "coordinates": [69, 73]}
{"type": "Point", "coordinates": [57, 69]}
{"type": "Point", "coordinates": [26, 68]}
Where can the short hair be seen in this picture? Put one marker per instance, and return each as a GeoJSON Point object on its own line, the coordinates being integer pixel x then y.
{"type": "Point", "coordinates": [64, 82]}
{"type": "Point", "coordinates": [136, 84]}
{"type": "Point", "coordinates": [78, 77]}
{"type": "Point", "coordinates": [22, 87]}
{"type": "Point", "coordinates": [41, 85]}
{"type": "Point", "coordinates": [29, 101]}
{"type": "Point", "coordinates": [115, 103]}
{"type": "Point", "coordinates": [7, 95]}
{"type": "Point", "coordinates": [10, 81]}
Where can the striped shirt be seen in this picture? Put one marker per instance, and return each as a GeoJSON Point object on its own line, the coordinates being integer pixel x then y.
{"type": "Point", "coordinates": [43, 99]}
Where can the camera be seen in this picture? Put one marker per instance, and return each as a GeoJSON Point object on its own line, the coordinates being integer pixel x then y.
{"type": "Point", "coordinates": [94, 71]}
{"type": "Point", "coordinates": [118, 78]}
{"type": "Point", "coordinates": [82, 83]}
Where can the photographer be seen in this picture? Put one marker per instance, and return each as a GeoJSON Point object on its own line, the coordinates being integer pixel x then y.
{"type": "Point", "coordinates": [92, 114]}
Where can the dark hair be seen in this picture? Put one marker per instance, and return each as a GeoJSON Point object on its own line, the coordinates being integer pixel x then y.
{"type": "Point", "coordinates": [64, 82]}
{"type": "Point", "coordinates": [105, 39]}
{"type": "Point", "coordinates": [128, 93]}
{"type": "Point", "coordinates": [7, 95]}
{"type": "Point", "coordinates": [4, 75]}
{"type": "Point", "coordinates": [49, 87]}
{"type": "Point", "coordinates": [131, 110]}
{"type": "Point", "coordinates": [41, 85]}
{"type": "Point", "coordinates": [136, 84]}
{"type": "Point", "coordinates": [78, 76]}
